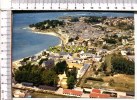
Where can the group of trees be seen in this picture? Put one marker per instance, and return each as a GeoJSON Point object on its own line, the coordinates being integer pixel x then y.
{"type": "Point", "coordinates": [72, 77]}
{"type": "Point", "coordinates": [125, 26]}
{"type": "Point", "coordinates": [72, 39]}
{"type": "Point", "coordinates": [42, 60]}
{"type": "Point", "coordinates": [38, 75]}
{"type": "Point", "coordinates": [60, 67]}
{"type": "Point", "coordinates": [117, 64]}
{"type": "Point", "coordinates": [47, 24]}
{"type": "Point", "coordinates": [122, 65]}
{"type": "Point", "coordinates": [95, 19]}
{"type": "Point", "coordinates": [110, 40]}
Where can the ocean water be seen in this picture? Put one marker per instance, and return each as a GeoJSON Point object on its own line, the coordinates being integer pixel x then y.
{"type": "Point", "coordinates": [26, 43]}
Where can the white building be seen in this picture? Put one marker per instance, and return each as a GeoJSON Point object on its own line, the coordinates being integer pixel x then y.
{"type": "Point", "coordinates": [86, 55]}
{"type": "Point", "coordinates": [82, 70]}
{"type": "Point", "coordinates": [123, 52]}
{"type": "Point", "coordinates": [97, 58]}
{"type": "Point", "coordinates": [124, 41]}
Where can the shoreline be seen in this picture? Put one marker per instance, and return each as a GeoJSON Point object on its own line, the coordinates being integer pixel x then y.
{"type": "Point", "coordinates": [63, 40]}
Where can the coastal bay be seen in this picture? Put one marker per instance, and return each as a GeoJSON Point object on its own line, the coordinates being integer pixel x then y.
{"type": "Point", "coordinates": [26, 43]}
{"type": "Point", "coordinates": [87, 52]}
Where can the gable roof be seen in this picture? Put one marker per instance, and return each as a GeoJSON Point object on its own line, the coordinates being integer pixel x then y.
{"type": "Point", "coordinates": [96, 90]}
{"type": "Point", "coordinates": [98, 95]}
{"type": "Point", "coordinates": [72, 92]}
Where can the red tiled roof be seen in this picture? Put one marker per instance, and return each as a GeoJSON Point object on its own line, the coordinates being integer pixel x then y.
{"type": "Point", "coordinates": [66, 91]}
{"type": "Point", "coordinates": [94, 95]}
{"type": "Point", "coordinates": [96, 90]}
{"type": "Point", "coordinates": [75, 92]}
{"type": "Point", "coordinates": [72, 92]}
{"type": "Point", "coordinates": [104, 95]}
{"type": "Point", "coordinates": [98, 95]}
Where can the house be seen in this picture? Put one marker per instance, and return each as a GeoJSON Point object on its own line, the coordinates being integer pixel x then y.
{"type": "Point", "coordinates": [33, 58]}
{"type": "Point", "coordinates": [118, 34]}
{"type": "Point", "coordinates": [18, 94]}
{"type": "Point", "coordinates": [54, 56]}
{"type": "Point", "coordinates": [97, 58]}
{"type": "Point", "coordinates": [87, 90]}
{"type": "Point", "coordinates": [82, 52]}
{"type": "Point", "coordinates": [130, 93]}
{"type": "Point", "coordinates": [27, 84]}
{"type": "Point", "coordinates": [68, 56]}
{"type": "Point", "coordinates": [89, 43]}
{"type": "Point", "coordinates": [86, 55]}
{"type": "Point", "coordinates": [48, 64]}
{"type": "Point", "coordinates": [124, 41]}
{"type": "Point", "coordinates": [101, 51]}
{"type": "Point", "coordinates": [126, 97]}
{"type": "Point", "coordinates": [98, 95]}
{"type": "Point", "coordinates": [72, 92]}
{"type": "Point", "coordinates": [123, 52]}
{"type": "Point", "coordinates": [104, 43]}
{"type": "Point", "coordinates": [77, 60]}
{"type": "Point", "coordinates": [22, 63]}
{"type": "Point", "coordinates": [113, 93]}
{"type": "Point", "coordinates": [96, 90]}
{"type": "Point", "coordinates": [82, 70]}
{"type": "Point", "coordinates": [65, 55]}
{"type": "Point", "coordinates": [45, 87]}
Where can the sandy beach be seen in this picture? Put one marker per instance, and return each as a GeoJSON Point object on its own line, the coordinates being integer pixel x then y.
{"type": "Point", "coordinates": [64, 39]}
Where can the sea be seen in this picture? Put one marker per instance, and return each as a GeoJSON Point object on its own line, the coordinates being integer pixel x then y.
{"type": "Point", "coordinates": [26, 43]}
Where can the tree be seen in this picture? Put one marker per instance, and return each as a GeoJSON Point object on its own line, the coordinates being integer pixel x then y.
{"type": "Point", "coordinates": [111, 82]}
{"type": "Point", "coordinates": [71, 82]}
{"type": "Point", "coordinates": [71, 40]}
{"type": "Point", "coordinates": [74, 19]}
{"type": "Point", "coordinates": [42, 60]}
{"type": "Point", "coordinates": [50, 77]}
{"type": "Point", "coordinates": [122, 65]}
{"type": "Point", "coordinates": [60, 67]}
{"type": "Point", "coordinates": [47, 24]}
{"type": "Point", "coordinates": [77, 37]}
{"type": "Point", "coordinates": [72, 72]}
{"type": "Point", "coordinates": [36, 75]}
{"type": "Point", "coordinates": [104, 66]}
{"type": "Point", "coordinates": [111, 41]}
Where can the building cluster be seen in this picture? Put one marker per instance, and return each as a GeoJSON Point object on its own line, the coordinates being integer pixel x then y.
{"type": "Point", "coordinates": [97, 93]}
{"type": "Point", "coordinates": [115, 21]}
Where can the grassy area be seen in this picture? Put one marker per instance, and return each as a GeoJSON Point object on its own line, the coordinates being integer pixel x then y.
{"type": "Point", "coordinates": [70, 49]}
{"type": "Point", "coordinates": [47, 95]}
{"type": "Point", "coordinates": [108, 62]}
{"type": "Point", "coordinates": [121, 82]}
